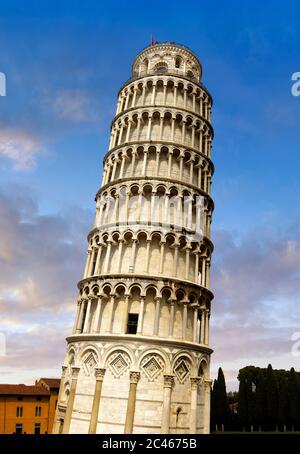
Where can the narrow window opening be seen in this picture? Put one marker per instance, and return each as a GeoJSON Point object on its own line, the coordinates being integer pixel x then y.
{"type": "Point", "coordinates": [132, 323]}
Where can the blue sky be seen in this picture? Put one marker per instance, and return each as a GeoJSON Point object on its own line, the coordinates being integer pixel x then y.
{"type": "Point", "coordinates": [65, 62]}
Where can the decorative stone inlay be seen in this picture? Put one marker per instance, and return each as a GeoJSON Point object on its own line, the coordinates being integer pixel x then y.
{"type": "Point", "coordinates": [152, 366]}
{"type": "Point", "coordinates": [119, 363]}
{"type": "Point", "coordinates": [89, 363]}
{"type": "Point", "coordinates": [182, 370]}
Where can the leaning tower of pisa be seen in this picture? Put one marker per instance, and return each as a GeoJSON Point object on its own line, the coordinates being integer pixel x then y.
{"type": "Point", "coordinates": [138, 358]}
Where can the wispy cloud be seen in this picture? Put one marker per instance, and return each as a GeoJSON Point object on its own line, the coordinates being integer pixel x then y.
{"type": "Point", "coordinates": [20, 148]}
{"type": "Point", "coordinates": [73, 105]}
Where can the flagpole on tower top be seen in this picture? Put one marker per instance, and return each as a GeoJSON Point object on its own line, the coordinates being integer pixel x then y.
{"type": "Point", "coordinates": [152, 40]}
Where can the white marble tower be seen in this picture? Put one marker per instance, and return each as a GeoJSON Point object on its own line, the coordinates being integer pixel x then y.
{"type": "Point", "coordinates": [138, 358]}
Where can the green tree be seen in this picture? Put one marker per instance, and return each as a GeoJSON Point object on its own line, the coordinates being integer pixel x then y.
{"type": "Point", "coordinates": [293, 391]}
{"type": "Point", "coordinates": [250, 402]}
{"type": "Point", "coordinates": [221, 401]}
{"type": "Point", "coordinates": [213, 406]}
{"type": "Point", "coordinates": [271, 398]}
{"type": "Point", "coordinates": [260, 400]}
{"type": "Point", "coordinates": [283, 404]}
{"type": "Point", "coordinates": [242, 408]}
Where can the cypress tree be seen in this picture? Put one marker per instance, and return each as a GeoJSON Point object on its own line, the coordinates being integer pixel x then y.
{"type": "Point", "coordinates": [221, 401]}
{"type": "Point", "coordinates": [271, 398]}
{"type": "Point", "coordinates": [260, 401]}
{"type": "Point", "coordinates": [283, 404]}
{"type": "Point", "coordinates": [293, 391]}
{"type": "Point", "coordinates": [213, 406]}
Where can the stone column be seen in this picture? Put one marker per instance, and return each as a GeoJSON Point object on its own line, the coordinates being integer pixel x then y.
{"type": "Point", "coordinates": [57, 427]}
{"type": "Point", "coordinates": [123, 160]}
{"type": "Point", "coordinates": [184, 319]}
{"type": "Point", "coordinates": [149, 127]}
{"type": "Point", "coordinates": [184, 97]}
{"type": "Point", "coordinates": [175, 96]}
{"type": "Point", "coordinates": [161, 127]}
{"type": "Point", "coordinates": [193, 135]}
{"type": "Point", "coordinates": [165, 94]}
{"type": "Point", "coordinates": [147, 255]}
{"type": "Point", "coordinates": [194, 401]}
{"type": "Point", "coordinates": [120, 255]}
{"type": "Point", "coordinates": [202, 326]}
{"type": "Point", "coordinates": [68, 416]}
{"type": "Point", "coordinates": [87, 265]}
{"type": "Point", "coordinates": [96, 327]}
{"type": "Point", "coordinates": [111, 314]}
{"type": "Point", "coordinates": [162, 253]}
{"type": "Point", "coordinates": [168, 384]}
{"type": "Point", "coordinates": [134, 378]}
{"type": "Point", "coordinates": [191, 170]}
{"type": "Point", "coordinates": [156, 319]}
{"type": "Point", "coordinates": [91, 264]}
{"type": "Point", "coordinates": [175, 263]}
{"type": "Point", "coordinates": [127, 100]}
{"type": "Point", "coordinates": [77, 317]}
{"type": "Point", "coordinates": [206, 327]}
{"type": "Point", "coordinates": [170, 164]}
{"type": "Point", "coordinates": [133, 253]}
{"type": "Point", "coordinates": [206, 422]}
{"type": "Point", "coordinates": [153, 94]}
{"type": "Point", "coordinates": [195, 323]}
{"type": "Point", "coordinates": [79, 324]}
{"type": "Point", "coordinates": [134, 97]}
{"type": "Point", "coordinates": [87, 316]}
{"type": "Point", "coordinates": [172, 317]}
{"type": "Point", "coordinates": [181, 166]}
{"type": "Point", "coordinates": [203, 271]}
{"type": "Point", "coordinates": [125, 314]}
{"type": "Point", "coordinates": [97, 266]}
{"type": "Point", "coordinates": [133, 163]}
{"type": "Point", "coordinates": [115, 161]}
{"type": "Point", "coordinates": [107, 257]}
{"type": "Point", "coordinates": [196, 254]}
{"type": "Point", "coordinates": [145, 162]}
{"type": "Point", "coordinates": [173, 129]}
{"type": "Point", "coordinates": [99, 373]}
{"type": "Point", "coordinates": [187, 262]}
{"type": "Point", "coordinates": [183, 131]}
{"type": "Point", "coordinates": [141, 316]}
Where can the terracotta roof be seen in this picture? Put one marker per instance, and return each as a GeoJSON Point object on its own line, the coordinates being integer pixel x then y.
{"type": "Point", "coordinates": [23, 390]}
{"type": "Point", "coordinates": [51, 382]}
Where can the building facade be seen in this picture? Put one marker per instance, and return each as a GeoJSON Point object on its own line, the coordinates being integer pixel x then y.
{"type": "Point", "coordinates": [139, 356]}
{"type": "Point", "coordinates": [28, 409]}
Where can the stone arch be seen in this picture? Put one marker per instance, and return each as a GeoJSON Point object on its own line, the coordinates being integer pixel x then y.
{"type": "Point", "coordinates": [113, 351]}
{"type": "Point", "coordinates": [153, 362]}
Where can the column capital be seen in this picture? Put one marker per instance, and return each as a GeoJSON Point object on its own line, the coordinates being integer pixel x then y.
{"type": "Point", "coordinates": [75, 372]}
{"type": "Point", "coordinates": [134, 376]}
{"type": "Point", "coordinates": [195, 382]}
{"type": "Point", "coordinates": [207, 384]}
{"type": "Point", "coordinates": [172, 301]}
{"type": "Point", "coordinates": [99, 373]}
{"type": "Point", "coordinates": [168, 381]}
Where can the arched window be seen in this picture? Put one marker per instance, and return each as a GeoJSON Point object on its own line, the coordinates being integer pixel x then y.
{"type": "Point", "coordinates": [190, 74]}
{"type": "Point", "coordinates": [177, 62]}
{"type": "Point", "coordinates": [161, 68]}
